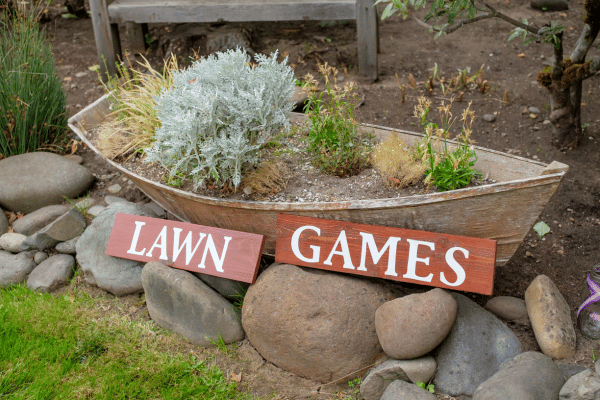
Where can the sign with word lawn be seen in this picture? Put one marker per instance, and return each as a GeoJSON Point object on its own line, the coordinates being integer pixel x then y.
{"type": "Point", "coordinates": [406, 255]}
{"type": "Point", "coordinates": [211, 251]}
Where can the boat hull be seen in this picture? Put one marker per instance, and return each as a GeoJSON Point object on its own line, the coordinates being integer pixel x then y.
{"type": "Point", "coordinates": [503, 211]}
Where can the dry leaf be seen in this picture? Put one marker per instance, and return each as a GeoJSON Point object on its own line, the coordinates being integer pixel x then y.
{"type": "Point", "coordinates": [522, 55]}
{"type": "Point", "coordinates": [236, 377]}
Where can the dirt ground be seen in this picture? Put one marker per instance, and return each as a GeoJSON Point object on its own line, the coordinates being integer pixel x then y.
{"type": "Point", "coordinates": [572, 247]}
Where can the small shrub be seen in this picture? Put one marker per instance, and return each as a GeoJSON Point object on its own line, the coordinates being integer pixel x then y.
{"type": "Point", "coordinates": [447, 169]}
{"type": "Point", "coordinates": [32, 102]}
{"type": "Point", "coordinates": [336, 145]}
{"type": "Point", "coordinates": [396, 163]}
{"type": "Point", "coordinates": [218, 113]}
{"type": "Point", "coordinates": [269, 178]}
{"type": "Point", "coordinates": [133, 108]}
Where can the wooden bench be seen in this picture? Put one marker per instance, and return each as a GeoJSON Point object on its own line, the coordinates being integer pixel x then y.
{"type": "Point", "coordinates": [137, 13]}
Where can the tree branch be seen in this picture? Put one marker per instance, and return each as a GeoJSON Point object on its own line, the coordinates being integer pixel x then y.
{"type": "Point", "coordinates": [497, 14]}
{"type": "Point", "coordinates": [450, 29]}
{"type": "Point", "coordinates": [585, 41]}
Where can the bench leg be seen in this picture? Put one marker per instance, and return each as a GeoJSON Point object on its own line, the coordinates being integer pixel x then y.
{"type": "Point", "coordinates": [137, 37]}
{"type": "Point", "coordinates": [367, 24]}
{"type": "Point", "coordinates": [103, 34]}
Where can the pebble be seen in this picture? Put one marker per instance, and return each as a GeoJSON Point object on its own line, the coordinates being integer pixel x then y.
{"type": "Point", "coordinates": [95, 210]}
{"type": "Point", "coordinates": [489, 117]}
{"type": "Point", "coordinates": [507, 307]}
{"type": "Point", "coordinates": [116, 188]}
{"type": "Point", "coordinates": [40, 256]}
{"type": "Point", "coordinates": [533, 110]}
{"type": "Point", "coordinates": [113, 199]}
{"type": "Point", "coordinates": [67, 247]}
{"type": "Point", "coordinates": [547, 121]}
{"type": "Point", "coordinates": [12, 242]}
{"type": "Point", "coordinates": [80, 74]}
{"type": "Point", "coordinates": [75, 158]}
{"type": "Point", "coordinates": [550, 318]}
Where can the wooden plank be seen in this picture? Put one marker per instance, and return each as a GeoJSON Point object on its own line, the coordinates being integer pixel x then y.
{"type": "Point", "coordinates": [368, 41]}
{"type": "Point", "coordinates": [426, 258]}
{"type": "Point", "coordinates": [137, 37]}
{"type": "Point", "coordinates": [182, 11]}
{"type": "Point", "coordinates": [207, 250]}
{"type": "Point", "coordinates": [103, 36]}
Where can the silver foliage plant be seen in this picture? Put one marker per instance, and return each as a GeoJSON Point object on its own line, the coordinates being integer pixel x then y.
{"type": "Point", "coordinates": [219, 112]}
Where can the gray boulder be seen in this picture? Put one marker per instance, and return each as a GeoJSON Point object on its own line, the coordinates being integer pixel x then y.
{"type": "Point", "coordinates": [52, 273]}
{"type": "Point", "coordinates": [14, 268]}
{"type": "Point", "coordinates": [400, 390]}
{"type": "Point", "coordinates": [528, 376]}
{"type": "Point", "coordinates": [12, 242]}
{"type": "Point", "coordinates": [550, 317]}
{"type": "Point", "coordinates": [69, 225]}
{"type": "Point", "coordinates": [476, 348]}
{"type": "Point", "coordinates": [33, 222]}
{"type": "Point", "coordinates": [380, 377]}
{"type": "Point", "coordinates": [116, 275]}
{"type": "Point", "coordinates": [228, 288]}
{"type": "Point", "coordinates": [413, 325]}
{"type": "Point", "coordinates": [68, 247]}
{"type": "Point", "coordinates": [583, 386]}
{"type": "Point", "coordinates": [182, 303]}
{"type": "Point", "coordinates": [34, 180]}
{"type": "Point", "coordinates": [316, 324]}
{"type": "Point", "coordinates": [3, 223]}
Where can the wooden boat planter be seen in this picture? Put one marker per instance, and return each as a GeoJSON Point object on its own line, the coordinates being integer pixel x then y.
{"type": "Point", "coordinates": [503, 211]}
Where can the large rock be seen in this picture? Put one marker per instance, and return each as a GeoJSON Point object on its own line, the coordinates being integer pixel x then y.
{"type": "Point", "coordinates": [116, 275]}
{"type": "Point", "coordinates": [35, 180]}
{"type": "Point", "coordinates": [528, 376]}
{"type": "Point", "coordinates": [230, 289]}
{"type": "Point", "coordinates": [31, 223]}
{"type": "Point", "coordinates": [182, 303]}
{"type": "Point", "coordinates": [401, 390]}
{"type": "Point", "coordinates": [476, 348]}
{"type": "Point", "coordinates": [316, 324]}
{"type": "Point", "coordinates": [411, 326]}
{"type": "Point", "coordinates": [379, 378]}
{"type": "Point", "coordinates": [3, 223]}
{"type": "Point", "coordinates": [550, 318]}
{"type": "Point", "coordinates": [68, 226]}
{"type": "Point", "coordinates": [52, 273]}
{"type": "Point", "coordinates": [14, 268]}
{"type": "Point", "coordinates": [583, 386]}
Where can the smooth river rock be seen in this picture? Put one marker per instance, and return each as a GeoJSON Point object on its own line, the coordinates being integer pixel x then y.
{"type": "Point", "coordinates": [550, 318]}
{"type": "Point", "coordinates": [12, 242]}
{"type": "Point", "coordinates": [507, 307]}
{"type": "Point", "coordinates": [411, 326]}
{"type": "Point", "coordinates": [34, 180]}
{"type": "Point", "coordinates": [52, 273]}
{"type": "Point", "coordinates": [116, 275]}
{"type": "Point", "coordinates": [33, 222]}
{"type": "Point", "coordinates": [528, 376]}
{"type": "Point", "coordinates": [478, 345]}
{"type": "Point", "coordinates": [15, 268]}
{"type": "Point", "coordinates": [182, 303]}
{"type": "Point", "coordinates": [380, 377]}
{"type": "Point", "coordinates": [319, 325]}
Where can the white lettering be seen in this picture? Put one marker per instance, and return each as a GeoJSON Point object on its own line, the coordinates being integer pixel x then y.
{"type": "Point", "coordinates": [411, 268]}
{"type": "Point", "coordinates": [162, 237]}
{"type": "Point", "coordinates": [218, 260]}
{"type": "Point", "coordinates": [376, 254]}
{"type": "Point", "coordinates": [136, 236]}
{"type": "Point", "coordinates": [341, 240]}
{"type": "Point", "coordinates": [456, 267]}
{"type": "Point", "coordinates": [187, 243]}
{"type": "Point", "coordinates": [316, 250]}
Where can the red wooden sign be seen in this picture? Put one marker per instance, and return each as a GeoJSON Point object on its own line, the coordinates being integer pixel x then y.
{"type": "Point", "coordinates": [434, 259]}
{"type": "Point", "coordinates": [212, 251]}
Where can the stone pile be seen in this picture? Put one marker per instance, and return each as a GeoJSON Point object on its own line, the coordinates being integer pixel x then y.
{"type": "Point", "coordinates": [319, 325]}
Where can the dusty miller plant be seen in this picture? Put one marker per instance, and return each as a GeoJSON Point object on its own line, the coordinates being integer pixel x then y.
{"type": "Point", "coordinates": [563, 80]}
{"type": "Point", "coordinates": [218, 112]}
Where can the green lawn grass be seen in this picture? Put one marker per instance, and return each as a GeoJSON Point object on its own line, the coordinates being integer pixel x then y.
{"type": "Point", "coordinates": [68, 347]}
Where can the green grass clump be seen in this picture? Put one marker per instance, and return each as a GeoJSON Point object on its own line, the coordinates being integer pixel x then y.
{"type": "Point", "coordinates": [32, 101]}
{"type": "Point", "coordinates": [336, 146]}
{"type": "Point", "coordinates": [68, 347]}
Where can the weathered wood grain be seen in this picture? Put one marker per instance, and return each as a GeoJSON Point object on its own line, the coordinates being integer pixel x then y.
{"type": "Point", "coordinates": [504, 211]}
{"type": "Point", "coordinates": [204, 249]}
{"type": "Point", "coordinates": [426, 258]}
